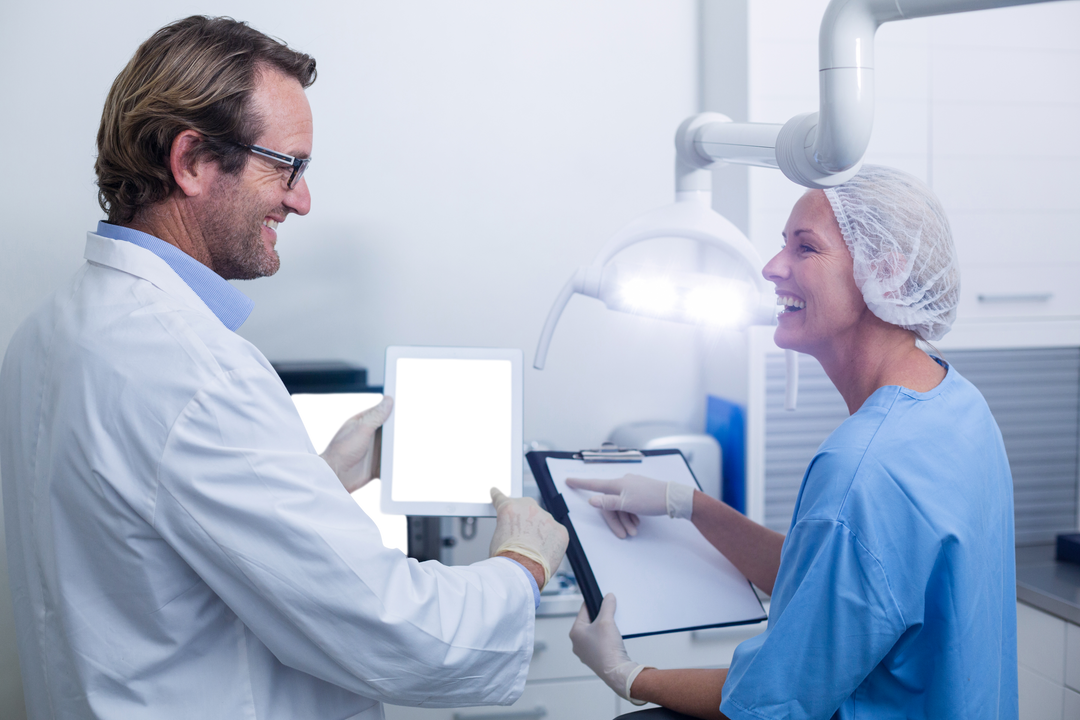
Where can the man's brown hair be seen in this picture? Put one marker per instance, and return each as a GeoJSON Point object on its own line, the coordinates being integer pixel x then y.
{"type": "Point", "coordinates": [199, 74]}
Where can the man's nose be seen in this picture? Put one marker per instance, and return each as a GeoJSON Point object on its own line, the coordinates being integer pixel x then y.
{"type": "Point", "coordinates": [298, 200]}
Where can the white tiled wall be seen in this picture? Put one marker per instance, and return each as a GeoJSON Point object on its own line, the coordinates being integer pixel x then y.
{"type": "Point", "coordinates": [982, 106]}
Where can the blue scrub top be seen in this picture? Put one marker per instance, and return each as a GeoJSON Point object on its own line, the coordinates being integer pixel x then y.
{"type": "Point", "coordinates": [896, 594]}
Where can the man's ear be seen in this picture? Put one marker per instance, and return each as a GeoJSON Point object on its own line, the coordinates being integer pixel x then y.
{"type": "Point", "coordinates": [191, 172]}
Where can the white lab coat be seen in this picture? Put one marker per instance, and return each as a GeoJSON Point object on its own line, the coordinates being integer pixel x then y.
{"type": "Point", "coordinates": [177, 549]}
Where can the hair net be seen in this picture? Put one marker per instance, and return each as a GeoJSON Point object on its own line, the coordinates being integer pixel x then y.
{"type": "Point", "coordinates": [902, 248]}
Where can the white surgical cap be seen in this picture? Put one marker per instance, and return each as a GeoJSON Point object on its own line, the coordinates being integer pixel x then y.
{"type": "Point", "coordinates": [902, 248]}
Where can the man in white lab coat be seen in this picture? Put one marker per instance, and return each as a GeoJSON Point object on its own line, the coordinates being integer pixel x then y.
{"type": "Point", "coordinates": [176, 547]}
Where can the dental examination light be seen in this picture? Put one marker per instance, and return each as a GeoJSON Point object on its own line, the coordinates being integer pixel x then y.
{"type": "Point", "coordinates": [738, 298]}
{"type": "Point", "coordinates": [817, 150]}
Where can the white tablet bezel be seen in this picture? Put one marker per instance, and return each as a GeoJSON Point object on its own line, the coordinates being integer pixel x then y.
{"type": "Point", "coordinates": [461, 509]}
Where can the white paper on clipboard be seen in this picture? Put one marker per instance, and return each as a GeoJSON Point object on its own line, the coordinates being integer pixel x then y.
{"type": "Point", "coordinates": [667, 577]}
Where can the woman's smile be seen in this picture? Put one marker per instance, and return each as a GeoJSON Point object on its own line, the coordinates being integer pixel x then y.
{"type": "Point", "coordinates": [790, 304]}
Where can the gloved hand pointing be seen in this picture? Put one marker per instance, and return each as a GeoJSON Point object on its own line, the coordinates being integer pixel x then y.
{"type": "Point", "coordinates": [355, 452]}
{"type": "Point", "coordinates": [599, 645]}
{"type": "Point", "coordinates": [523, 527]}
{"type": "Point", "coordinates": [625, 498]}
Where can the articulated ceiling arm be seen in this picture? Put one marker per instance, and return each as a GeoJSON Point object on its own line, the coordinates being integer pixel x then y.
{"type": "Point", "coordinates": [825, 148]}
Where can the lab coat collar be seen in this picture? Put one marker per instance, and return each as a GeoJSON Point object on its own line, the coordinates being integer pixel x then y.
{"type": "Point", "coordinates": [195, 284]}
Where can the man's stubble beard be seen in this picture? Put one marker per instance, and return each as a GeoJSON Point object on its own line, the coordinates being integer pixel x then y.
{"type": "Point", "coordinates": [232, 227]}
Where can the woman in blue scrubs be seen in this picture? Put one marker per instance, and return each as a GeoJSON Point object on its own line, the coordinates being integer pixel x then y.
{"type": "Point", "coordinates": [893, 592]}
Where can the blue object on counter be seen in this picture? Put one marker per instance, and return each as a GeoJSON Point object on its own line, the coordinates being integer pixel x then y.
{"type": "Point", "coordinates": [726, 421]}
{"type": "Point", "coordinates": [1068, 548]}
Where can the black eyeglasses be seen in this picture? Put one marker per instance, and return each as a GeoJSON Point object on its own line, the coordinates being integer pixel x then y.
{"type": "Point", "coordinates": [299, 165]}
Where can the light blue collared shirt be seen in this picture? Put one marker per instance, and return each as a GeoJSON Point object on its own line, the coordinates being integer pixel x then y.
{"type": "Point", "coordinates": [231, 306]}
{"type": "Point", "coordinates": [532, 580]}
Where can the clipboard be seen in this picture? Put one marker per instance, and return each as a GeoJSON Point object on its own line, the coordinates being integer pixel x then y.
{"type": "Point", "coordinates": [667, 578]}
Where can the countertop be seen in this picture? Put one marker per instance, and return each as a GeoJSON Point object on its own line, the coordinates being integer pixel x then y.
{"type": "Point", "coordinates": [1047, 584]}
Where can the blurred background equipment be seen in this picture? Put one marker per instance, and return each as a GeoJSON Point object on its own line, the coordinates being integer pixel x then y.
{"type": "Point", "coordinates": [702, 452]}
{"type": "Point", "coordinates": [326, 394]}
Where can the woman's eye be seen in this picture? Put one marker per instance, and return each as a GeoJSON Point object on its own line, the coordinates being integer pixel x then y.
{"type": "Point", "coordinates": [806, 249]}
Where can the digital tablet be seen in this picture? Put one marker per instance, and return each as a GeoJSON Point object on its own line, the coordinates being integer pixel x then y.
{"type": "Point", "coordinates": [455, 431]}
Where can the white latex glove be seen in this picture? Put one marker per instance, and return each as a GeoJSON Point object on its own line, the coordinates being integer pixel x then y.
{"type": "Point", "coordinates": [599, 645]}
{"type": "Point", "coordinates": [624, 499]}
{"type": "Point", "coordinates": [355, 452]}
{"type": "Point", "coordinates": [523, 527]}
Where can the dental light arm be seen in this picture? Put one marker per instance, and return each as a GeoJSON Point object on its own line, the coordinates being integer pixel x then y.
{"type": "Point", "coordinates": [553, 319]}
{"type": "Point", "coordinates": [825, 148]}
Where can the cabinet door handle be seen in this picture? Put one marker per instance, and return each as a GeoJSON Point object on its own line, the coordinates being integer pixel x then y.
{"type": "Point", "coordinates": [534, 714]}
{"type": "Point", "coordinates": [1017, 298]}
{"type": "Point", "coordinates": [539, 647]}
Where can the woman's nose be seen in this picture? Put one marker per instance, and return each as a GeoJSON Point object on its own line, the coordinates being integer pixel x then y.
{"type": "Point", "coordinates": [775, 269]}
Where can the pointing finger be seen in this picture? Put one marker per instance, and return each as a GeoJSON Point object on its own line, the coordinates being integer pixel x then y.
{"type": "Point", "coordinates": [497, 497]}
{"type": "Point", "coordinates": [594, 484]}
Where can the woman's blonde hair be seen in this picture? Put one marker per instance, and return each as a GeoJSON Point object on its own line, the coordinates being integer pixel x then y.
{"type": "Point", "coordinates": [199, 74]}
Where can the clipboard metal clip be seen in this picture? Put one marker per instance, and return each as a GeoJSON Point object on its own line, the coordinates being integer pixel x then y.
{"type": "Point", "coordinates": [610, 453]}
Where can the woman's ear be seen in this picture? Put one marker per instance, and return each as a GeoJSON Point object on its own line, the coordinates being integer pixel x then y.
{"type": "Point", "coordinates": [891, 271]}
{"type": "Point", "coordinates": [189, 169]}
{"type": "Point", "coordinates": [889, 265]}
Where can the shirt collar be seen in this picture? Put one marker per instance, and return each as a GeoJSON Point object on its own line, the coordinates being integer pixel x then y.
{"type": "Point", "coordinates": [231, 306]}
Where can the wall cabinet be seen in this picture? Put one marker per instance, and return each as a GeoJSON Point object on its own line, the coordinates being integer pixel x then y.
{"type": "Point", "coordinates": [1008, 292]}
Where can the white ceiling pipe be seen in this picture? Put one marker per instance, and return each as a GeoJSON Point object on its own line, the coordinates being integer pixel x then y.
{"type": "Point", "coordinates": [825, 148]}
{"type": "Point", "coordinates": [738, 143]}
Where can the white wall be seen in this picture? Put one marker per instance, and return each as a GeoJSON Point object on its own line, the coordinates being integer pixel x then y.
{"type": "Point", "coordinates": [473, 160]}
{"type": "Point", "coordinates": [468, 156]}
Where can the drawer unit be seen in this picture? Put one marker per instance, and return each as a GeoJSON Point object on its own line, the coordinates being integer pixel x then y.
{"type": "Point", "coordinates": [561, 686]}
{"type": "Point", "coordinates": [1024, 291]}
{"type": "Point", "coordinates": [553, 654]}
{"type": "Point", "coordinates": [584, 699]}
{"type": "Point", "coordinates": [696, 649]}
{"type": "Point", "coordinates": [1048, 654]}
{"type": "Point", "coordinates": [699, 648]}
{"type": "Point", "coordinates": [1072, 657]}
{"type": "Point", "coordinates": [1040, 643]}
